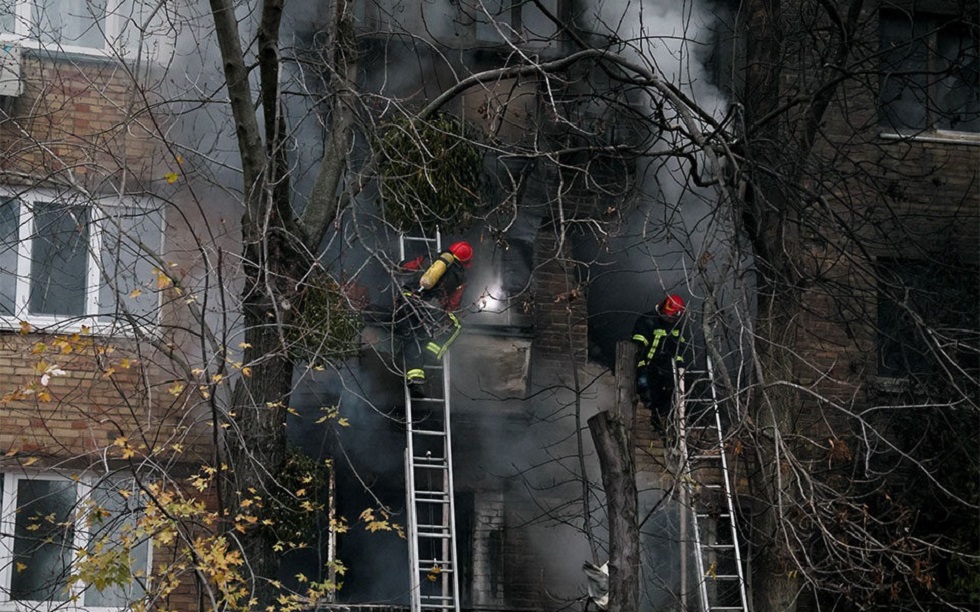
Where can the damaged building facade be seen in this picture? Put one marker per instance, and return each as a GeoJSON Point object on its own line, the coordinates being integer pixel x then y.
{"type": "Point", "coordinates": [579, 263]}
{"type": "Point", "coordinates": [605, 184]}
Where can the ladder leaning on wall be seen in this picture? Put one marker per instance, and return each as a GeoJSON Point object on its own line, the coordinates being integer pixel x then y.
{"type": "Point", "coordinates": [708, 495]}
{"type": "Point", "coordinates": [429, 481]}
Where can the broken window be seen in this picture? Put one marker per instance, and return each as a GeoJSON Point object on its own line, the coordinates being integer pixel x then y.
{"type": "Point", "coordinates": [930, 77]}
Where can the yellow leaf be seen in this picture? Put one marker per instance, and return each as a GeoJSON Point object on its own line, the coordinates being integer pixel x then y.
{"type": "Point", "coordinates": [30, 461]}
{"type": "Point", "coordinates": [343, 422]}
{"type": "Point", "coordinates": [125, 364]}
{"type": "Point", "coordinates": [21, 566]}
{"type": "Point", "coordinates": [180, 159]}
{"type": "Point", "coordinates": [108, 373]}
{"type": "Point", "coordinates": [171, 177]}
{"type": "Point", "coordinates": [163, 281]}
{"type": "Point", "coordinates": [25, 328]}
{"type": "Point", "coordinates": [135, 292]}
{"type": "Point", "coordinates": [244, 345]}
{"type": "Point", "coordinates": [246, 371]}
{"type": "Point", "coordinates": [176, 389]}
{"type": "Point", "coordinates": [433, 574]}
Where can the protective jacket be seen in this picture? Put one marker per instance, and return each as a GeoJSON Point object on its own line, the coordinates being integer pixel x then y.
{"type": "Point", "coordinates": [660, 347]}
{"type": "Point", "coordinates": [425, 315]}
{"type": "Point", "coordinates": [448, 286]}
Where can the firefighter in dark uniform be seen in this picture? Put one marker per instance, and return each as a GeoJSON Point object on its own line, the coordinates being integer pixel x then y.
{"type": "Point", "coordinates": [425, 315]}
{"type": "Point", "coordinates": [659, 351]}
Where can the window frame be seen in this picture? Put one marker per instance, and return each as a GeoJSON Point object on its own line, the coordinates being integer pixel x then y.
{"type": "Point", "coordinates": [112, 27]}
{"type": "Point", "coordinates": [85, 485]}
{"type": "Point", "coordinates": [933, 24]}
{"type": "Point", "coordinates": [91, 317]}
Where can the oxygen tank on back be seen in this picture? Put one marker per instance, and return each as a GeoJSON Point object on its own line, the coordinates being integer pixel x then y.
{"type": "Point", "coordinates": [436, 270]}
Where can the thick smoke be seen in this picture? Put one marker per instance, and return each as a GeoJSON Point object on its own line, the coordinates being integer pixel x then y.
{"type": "Point", "coordinates": [664, 235]}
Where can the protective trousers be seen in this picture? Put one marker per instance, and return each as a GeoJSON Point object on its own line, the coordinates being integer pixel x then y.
{"type": "Point", "coordinates": [427, 332]}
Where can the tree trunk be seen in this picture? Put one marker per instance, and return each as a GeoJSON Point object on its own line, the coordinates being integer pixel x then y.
{"type": "Point", "coordinates": [613, 442]}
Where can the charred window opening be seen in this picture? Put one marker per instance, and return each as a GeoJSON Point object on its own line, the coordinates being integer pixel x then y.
{"type": "Point", "coordinates": [930, 77]}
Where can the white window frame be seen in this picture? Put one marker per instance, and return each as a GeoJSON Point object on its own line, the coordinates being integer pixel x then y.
{"type": "Point", "coordinates": [84, 485]}
{"type": "Point", "coordinates": [22, 22]}
{"type": "Point", "coordinates": [90, 319]}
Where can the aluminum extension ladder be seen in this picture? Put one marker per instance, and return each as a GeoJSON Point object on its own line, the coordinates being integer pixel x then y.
{"type": "Point", "coordinates": [429, 485]}
{"type": "Point", "coordinates": [708, 492]}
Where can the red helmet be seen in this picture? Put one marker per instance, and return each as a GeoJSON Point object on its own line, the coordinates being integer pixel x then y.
{"type": "Point", "coordinates": [672, 306]}
{"type": "Point", "coordinates": [462, 251]}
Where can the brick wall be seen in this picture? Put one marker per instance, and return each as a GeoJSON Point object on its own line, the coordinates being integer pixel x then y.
{"type": "Point", "coordinates": [82, 121]}
{"type": "Point", "coordinates": [489, 522]}
{"type": "Point", "coordinates": [107, 391]}
{"type": "Point", "coordinates": [104, 406]}
{"type": "Point", "coordinates": [560, 315]}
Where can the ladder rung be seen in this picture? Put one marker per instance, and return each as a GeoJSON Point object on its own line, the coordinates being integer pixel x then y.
{"type": "Point", "coordinates": [709, 515]}
{"type": "Point", "coordinates": [434, 535]}
{"type": "Point", "coordinates": [429, 462]}
{"type": "Point", "coordinates": [718, 546]}
{"type": "Point", "coordinates": [722, 608]}
{"type": "Point", "coordinates": [440, 565]}
{"type": "Point", "coordinates": [431, 601]}
{"type": "Point", "coordinates": [429, 432]}
{"type": "Point", "coordinates": [437, 498]}
{"type": "Point", "coordinates": [431, 467]}
{"type": "Point", "coordinates": [724, 577]}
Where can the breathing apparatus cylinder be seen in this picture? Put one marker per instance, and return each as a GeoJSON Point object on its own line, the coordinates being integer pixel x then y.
{"type": "Point", "coordinates": [436, 270]}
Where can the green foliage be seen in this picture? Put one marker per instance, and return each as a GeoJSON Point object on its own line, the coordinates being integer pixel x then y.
{"type": "Point", "coordinates": [328, 327]}
{"type": "Point", "coordinates": [432, 173]}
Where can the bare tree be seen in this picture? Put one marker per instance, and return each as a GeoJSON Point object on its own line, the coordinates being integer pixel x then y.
{"type": "Point", "coordinates": [790, 215]}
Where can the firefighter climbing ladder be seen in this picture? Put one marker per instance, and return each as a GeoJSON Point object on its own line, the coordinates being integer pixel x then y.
{"type": "Point", "coordinates": [429, 484]}
{"type": "Point", "coordinates": [708, 493]}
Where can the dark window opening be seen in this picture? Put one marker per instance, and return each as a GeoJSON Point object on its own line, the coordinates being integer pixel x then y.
{"type": "Point", "coordinates": [928, 321]}
{"type": "Point", "coordinates": [930, 77]}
